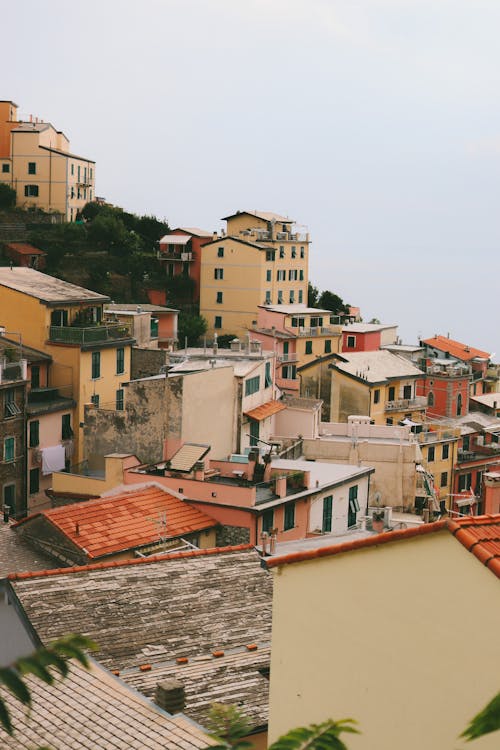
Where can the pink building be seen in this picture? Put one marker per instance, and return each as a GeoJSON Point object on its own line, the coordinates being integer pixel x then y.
{"type": "Point", "coordinates": [180, 252]}
{"type": "Point", "coordinates": [367, 337]}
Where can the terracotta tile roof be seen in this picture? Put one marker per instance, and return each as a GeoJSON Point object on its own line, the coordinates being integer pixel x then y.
{"type": "Point", "coordinates": [265, 410]}
{"type": "Point", "coordinates": [92, 710]}
{"type": "Point", "coordinates": [455, 348]}
{"type": "Point", "coordinates": [122, 522]}
{"type": "Point", "coordinates": [24, 248]}
{"type": "Point", "coordinates": [479, 534]}
{"type": "Point", "coordinates": [154, 612]}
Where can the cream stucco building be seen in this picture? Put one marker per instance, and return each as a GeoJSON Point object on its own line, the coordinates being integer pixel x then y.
{"type": "Point", "coordinates": [398, 630]}
{"type": "Point", "coordinates": [36, 161]}
{"type": "Point", "coordinates": [261, 259]}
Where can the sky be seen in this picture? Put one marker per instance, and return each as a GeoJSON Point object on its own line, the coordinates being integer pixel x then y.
{"type": "Point", "coordinates": [375, 124]}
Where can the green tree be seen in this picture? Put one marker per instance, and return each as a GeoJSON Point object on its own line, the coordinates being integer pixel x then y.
{"type": "Point", "coordinates": [486, 721]}
{"type": "Point", "coordinates": [334, 303]}
{"type": "Point", "coordinates": [39, 664]}
{"type": "Point", "coordinates": [192, 327]}
{"type": "Point", "coordinates": [7, 196]}
{"type": "Point", "coordinates": [312, 295]}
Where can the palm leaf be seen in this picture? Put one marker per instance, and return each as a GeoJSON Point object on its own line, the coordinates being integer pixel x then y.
{"type": "Point", "coordinates": [486, 721]}
{"type": "Point", "coordinates": [324, 736]}
{"type": "Point", "coordinates": [33, 665]}
{"type": "Point", "coordinates": [5, 718]}
{"type": "Point", "coordinates": [15, 685]}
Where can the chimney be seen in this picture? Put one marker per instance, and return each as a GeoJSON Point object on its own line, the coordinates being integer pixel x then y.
{"type": "Point", "coordinates": [253, 459]}
{"type": "Point", "coordinates": [280, 486]}
{"type": "Point", "coordinates": [199, 471]}
{"type": "Point", "coordinates": [264, 537]}
{"type": "Point", "coordinates": [267, 470]}
{"type": "Point", "coordinates": [307, 479]}
{"type": "Point", "coordinates": [170, 696]}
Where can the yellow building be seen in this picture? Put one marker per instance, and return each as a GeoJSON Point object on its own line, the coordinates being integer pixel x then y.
{"type": "Point", "coordinates": [378, 384]}
{"type": "Point", "coordinates": [35, 160]}
{"type": "Point", "coordinates": [91, 356]}
{"type": "Point", "coordinates": [261, 260]}
{"type": "Point", "coordinates": [389, 630]}
{"type": "Point", "coordinates": [439, 454]}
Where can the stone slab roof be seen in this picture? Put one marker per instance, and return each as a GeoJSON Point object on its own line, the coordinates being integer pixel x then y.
{"type": "Point", "coordinates": [16, 556]}
{"type": "Point", "coordinates": [377, 366]}
{"type": "Point", "coordinates": [46, 288]}
{"type": "Point", "coordinates": [186, 606]}
{"type": "Point", "coordinates": [93, 710]}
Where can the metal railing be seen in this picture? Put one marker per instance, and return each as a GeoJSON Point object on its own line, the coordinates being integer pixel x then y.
{"type": "Point", "coordinates": [89, 335]}
{"type": "Point", "coordinates": [399, 404]}
{"type": "Point", "coordinates": [284, 358]}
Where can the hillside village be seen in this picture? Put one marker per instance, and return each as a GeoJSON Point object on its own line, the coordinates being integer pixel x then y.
{"type": "Point", "coordinates": [194, 449]}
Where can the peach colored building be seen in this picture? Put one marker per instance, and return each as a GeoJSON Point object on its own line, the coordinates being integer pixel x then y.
{"type": "Point", "coordinates": [36, 161]}
{"type": "Point", "coordinates": [152, 326]}
{"type": "Point", "coordinates": [180, 254]}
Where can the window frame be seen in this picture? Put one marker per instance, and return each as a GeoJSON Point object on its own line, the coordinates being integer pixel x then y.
{"type": "Point", "coordinates": [34, 433]}
{"type": "Point", "coordinates": [120, 360]}
{"type": "Point", "coordinates": [9, 449]}
{"type": "Point", "coordinates": [32, 167]}
{"type": "Point", "coordinates": [119, 399]}
{"type": "Point", "coordinates": [96, 366]}
{"type": "Point", "coordinates": [218, 321]}
{"type": "Point", "coordinates": [34, 481]}
{"type": "Point", "coordinates": [289, 516]}
{"type": "Point", "coordinates": [31, 191]}
{"type": "Point", "coordinates": [219, 274]}
{"type": "Point", "coordinates": [326, 525]}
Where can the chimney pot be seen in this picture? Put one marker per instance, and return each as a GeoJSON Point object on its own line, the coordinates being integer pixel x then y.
{"type": "Point", "coordinates": [170, 695]}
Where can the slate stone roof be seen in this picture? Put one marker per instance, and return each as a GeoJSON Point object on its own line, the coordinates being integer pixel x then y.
{"type": "Point", "coordinates": [16, 556]}
{"type": "Point", "coordinates": [149, 614]}
{"type": "Point", "coordinates": [92, 710]}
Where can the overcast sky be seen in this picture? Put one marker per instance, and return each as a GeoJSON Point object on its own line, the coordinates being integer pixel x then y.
{"type": "Point", "coordinates": [375, 123]}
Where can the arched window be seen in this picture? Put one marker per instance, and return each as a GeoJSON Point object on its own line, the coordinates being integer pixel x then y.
{"type": "Point", "coordinates": [430, 399]}
{"type": "Point", "coordinates": [459, 404]}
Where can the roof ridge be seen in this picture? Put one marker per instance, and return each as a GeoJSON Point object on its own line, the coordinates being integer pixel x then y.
{"type": "Point", "coordinates": [134, 561]}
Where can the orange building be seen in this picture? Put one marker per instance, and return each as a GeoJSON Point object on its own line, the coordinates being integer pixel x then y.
{"type": "Point", "coordinates": [180, 253]}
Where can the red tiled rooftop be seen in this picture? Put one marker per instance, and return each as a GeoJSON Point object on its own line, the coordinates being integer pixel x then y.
{"type": "Point", "coordinates": [479, 534]}
{"type": "Point", "coordinates": [455, 348]}
{"type": "Point", "coordinates": [265, 410]}
{"type": "Point", "coordinates": [24, 248]}
{"type": "Point", "coordinates": [125, 521]}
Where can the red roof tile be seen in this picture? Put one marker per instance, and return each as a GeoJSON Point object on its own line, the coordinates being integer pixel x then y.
{"type": "Point", "coordinates": [265, 410]}
{"type": "Point", "coordinates": [455, 348]}
{"type": "Point", "coordinates": [131, 561]}
{"type": "Point", "coordinates": [125, 521]}
{"type": "Point", "coordinates": [23, 248]}
{"type": "Point", "coordinates": [479, 534]}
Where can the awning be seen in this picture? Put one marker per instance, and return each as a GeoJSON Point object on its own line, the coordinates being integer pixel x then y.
{"type": "Point", "coordinates": [265, 410]}
{"type": "Point", "coordinates": [175, 239]}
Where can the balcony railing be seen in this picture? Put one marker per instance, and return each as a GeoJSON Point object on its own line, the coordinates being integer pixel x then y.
{"type": "Point", "coordinates": [314, 331]}
{"type": "Point", "coordinates": [401, 404]}
{"type": "Point", "coordinates": [285, 358]}
{"type": "Point", "coordinates": [90, 335]}
{"type": "Point", "coordinates": [177, 255]}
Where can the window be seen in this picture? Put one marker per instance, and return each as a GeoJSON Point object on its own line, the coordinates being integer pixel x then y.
{"type": "Point", "coordinates": [389, 421]}
{"type": "Point", "coordinates": [268, 379]}
{"type": "Point", "coordinates": [294, 251]}
{"type": "Point", "coordinates": [459, 404]}
{"type": "Point", "coordinates": [444, 478]}
{"type": "Point", "coordinates": [280, 275]}
{"type": "Point", "coordinates": [269, 274]}
{"type": "Point", "coordinates": [327, 514]}
{"type": "Point", "coordinates": [96, 365]}
{"type": "Point", "coordinates": [464, 482]}
{"type": "Point", "coordinates": [292, 274]}
{"type": "Point", "coordinates": [292, 296]}
{"type": "Point", "coordinates": [252, 385]}
{"type": "Point", "coordinates": [120, 361]}
{"type": "Point", "coordinates": [31, 191]}
{"type": "Point", "coordinates": [34, 481]}
{"type": "Point", "coordinates": [407, 391]}
{"type": "Point", "coordinates": [66, 431]}
{"type": "Point", "coordinates": [270, 254]}
{"type": "Point", "coordinates": [9, 496]}
{"type": "Point", "coordinates": [351, 342]}
{"type": "Point", "coordinates": [254, 432]}
{"type": "Point", "coordinates": [268, 297]}
{"type": "Point", "coordinates": [431, 451]}
{"type": "Point", "coordinates": [72, 169]}
{"type": "Point", "coordinates": [34, 438]}
{"type": "Point", "coordinates": [280, 297]}
{"type": "Point", "coordinates": [301, 294]}
{"type": "Point", "coordinates": [282, 251]}
{"type": "Point", "coordinates": [119, 399]}
{"type": "Point", "coordinates": [268, 520]}
{"type": "Point", "coordinates": [289, 372]}
{"type": "Point", "coordinates": [376, 396]}
{"type": "Point", "coordinates": [219, 298]}
{"type": "Point", "coordinates": [11, 409]}
{"type": "Point", "coordinates": [328, 346]}
{"type": "Point", "coordinates": [35, 376]}
{"type": "Point", "coordinates": [309, 347]}
{"type": "Point", "coordinates": [94, 400]}
{"type": "Point", "coordinates": [298, 322]}
{"type": "Point", "coordinates": [430, 399]}
{"type": "Point", "coordinates": [218, 321]}
{"type": "Point", "coordinates": [79, 168]}
{"type": "Point", "coordinates": [289, 519]}
{"type": "Point", "coordinates": [31, 167]}
{"type": "Point", "coordinates": [353, 505]}
{"type": "Point", "coordinates": [5, 168]}
{"type": "Point", "coordinates": [445, 451]}
{"type": "Point", "coordinates": [316, 322]}
{"type": "Point", "coordinates": [301, 275]}
{"type": "Point", "coordinates": [220, 252]}
{"type": "Point", "coordinates": [302, 251]}
{"type": "Point", "coordinates": [218, 274]}
{"type": "Point", "coordinates": [9, 449]}
{"type": "Point", "coordinates": [391, 393]}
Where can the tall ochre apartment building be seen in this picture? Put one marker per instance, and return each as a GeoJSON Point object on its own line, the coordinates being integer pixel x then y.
{"type": "Point", "coordinates": [261, 260]}
{"type": "Point", "coordinates": [35, 160]}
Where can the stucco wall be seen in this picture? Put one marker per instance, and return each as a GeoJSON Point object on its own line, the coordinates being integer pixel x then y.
{"type": "Point", "coordinates": [383, 635]}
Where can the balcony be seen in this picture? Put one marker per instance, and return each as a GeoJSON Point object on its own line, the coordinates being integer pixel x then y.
{"type": "Point", "coordinates": [89, 335]}
{"type": "Point", "coordinates": [449, 371]}
{"type": "Point", "coordinates": [403, 404]}
{"type": "Point", "coordinates": [315, 331]}
{"type": "Point", "coordinates": [176, 255]}
{"type": "Point", "coordinates": [286, 358]}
